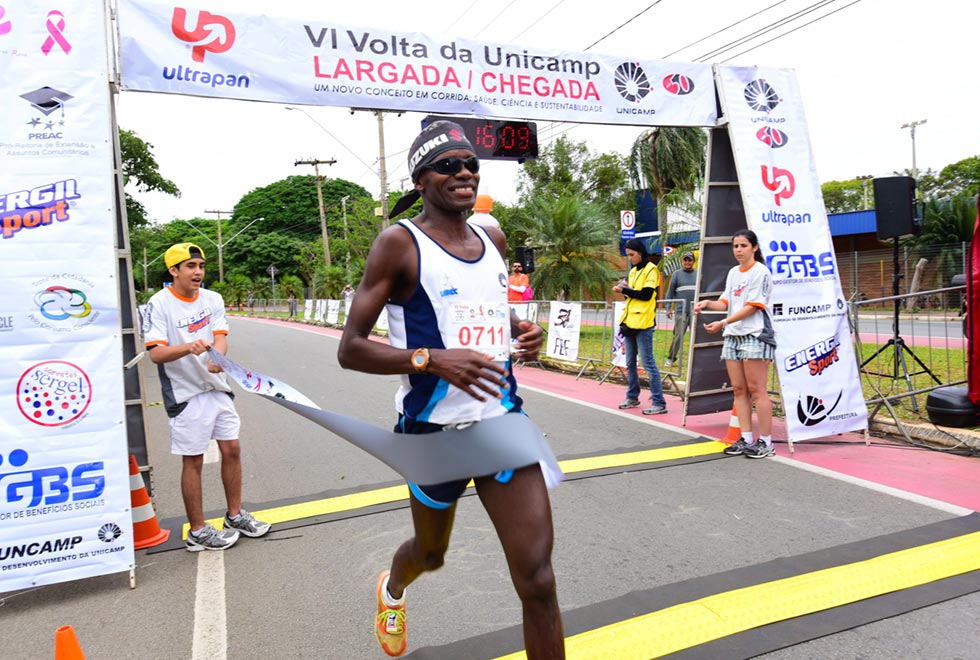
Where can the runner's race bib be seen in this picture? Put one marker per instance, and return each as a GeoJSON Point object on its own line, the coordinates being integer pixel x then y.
{"type": "Point", "coordinates": [479, 327]}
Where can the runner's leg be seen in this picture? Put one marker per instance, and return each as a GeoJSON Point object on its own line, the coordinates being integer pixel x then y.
{"type": "Point", "coordinates": [423, 552]}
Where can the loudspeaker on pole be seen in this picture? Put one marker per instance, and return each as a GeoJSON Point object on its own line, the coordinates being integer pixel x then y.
{"type": "Point", "coordinates": [895, 215]}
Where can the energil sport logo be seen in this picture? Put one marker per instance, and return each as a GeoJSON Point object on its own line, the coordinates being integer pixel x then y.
{"type": "Point", "coordinates": [54, 393]}
{"type": "Point", "coordinates": [37, 207]}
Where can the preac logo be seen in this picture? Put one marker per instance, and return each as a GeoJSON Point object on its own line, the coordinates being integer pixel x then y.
{"type": "Point", "coordinates": [814, 411]}
{"type": "Point", "coordinates": [678, 84]}
{"type": "Point", "coordinates": [213, 33]}
{"type": "Point", "coordinates": [760, 96]}
{"type": "Point", "coordinates": [772, 137]}
{"type": "Point", "coordinates": [631, 82]}
{"type": "Point", "coordinates": [779, 182]}
{"type": "Point", "coordinates": [54, 393]}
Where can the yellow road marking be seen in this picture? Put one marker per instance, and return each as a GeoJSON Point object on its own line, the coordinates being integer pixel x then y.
{"type": "Point", "coordinates": [689, 624]}
{"type": "Point", "coordinates": [399, 493]}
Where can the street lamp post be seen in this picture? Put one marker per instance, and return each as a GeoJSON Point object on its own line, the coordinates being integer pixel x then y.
{"type": "Point", "coordinates": [864, 178]}
{"type": "Point", "coordinates": [911, 126]}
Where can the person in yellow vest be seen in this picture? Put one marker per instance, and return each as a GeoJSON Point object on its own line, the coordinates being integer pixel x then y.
{"type": "Point", "coordinates": [637, 325]}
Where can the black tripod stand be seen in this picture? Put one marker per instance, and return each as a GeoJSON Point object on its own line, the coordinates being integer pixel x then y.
{"type": "Point", "coordinates": [898, 346]}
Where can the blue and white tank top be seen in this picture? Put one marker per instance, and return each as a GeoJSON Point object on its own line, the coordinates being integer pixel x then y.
{"type": "Point", "coordinates": [445, 281]}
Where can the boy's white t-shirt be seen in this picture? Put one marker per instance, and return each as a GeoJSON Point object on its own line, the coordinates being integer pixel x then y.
{"type": "Point", "coordinates": [749, 287]}
{"type": "Point", "coordinates": [171, 320]}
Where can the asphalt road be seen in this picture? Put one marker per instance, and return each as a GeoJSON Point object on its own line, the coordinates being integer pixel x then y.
{"type": "Point", "coordinates": [308, 592]}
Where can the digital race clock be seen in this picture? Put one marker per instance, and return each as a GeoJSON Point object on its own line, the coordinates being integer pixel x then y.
{"type": "Point", "coordinates": [497, 139]}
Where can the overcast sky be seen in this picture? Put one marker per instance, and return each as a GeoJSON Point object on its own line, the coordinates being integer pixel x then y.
{"type": "Point", "coordinates": [863, 71]}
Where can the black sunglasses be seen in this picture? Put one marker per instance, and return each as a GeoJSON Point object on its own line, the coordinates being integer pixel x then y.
{"type": "Point", "coordinates": [451, 166]}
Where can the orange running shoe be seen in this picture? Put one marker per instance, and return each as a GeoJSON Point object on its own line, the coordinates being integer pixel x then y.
{"type": "Point", "coordinates": [389, 626]}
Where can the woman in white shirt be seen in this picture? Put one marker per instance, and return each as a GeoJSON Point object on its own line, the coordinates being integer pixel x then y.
{"type": "Point", "coordinates": [749, 341]}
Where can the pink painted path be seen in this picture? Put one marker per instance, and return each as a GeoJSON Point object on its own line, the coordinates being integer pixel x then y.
{"type": "Point", "coordinates": [944, 477]}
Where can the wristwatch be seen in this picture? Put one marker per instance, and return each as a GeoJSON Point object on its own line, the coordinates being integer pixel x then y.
{"type": "Point", "coordinates": [420, 360]}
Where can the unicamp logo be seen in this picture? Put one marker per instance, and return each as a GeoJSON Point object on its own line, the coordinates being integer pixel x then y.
{"type": "Point", "coordinates": [761, 96]}
{"type": "Point", "coordinates": [54, 393]}
{"type": "Point", "coordinates": [632, 82]}
{"type": "Point", "coordinates": [211, 34]}
{"type": "Point", "coordinates": [813, 410]}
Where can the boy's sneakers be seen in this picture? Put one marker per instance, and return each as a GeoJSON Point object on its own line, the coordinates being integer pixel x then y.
{"type": "Point", "coordinates": [210, 538]}
{"type": "Point", "coordinates": [629, 403]}
{"type": "Point", "coordinates": [655, 410]}
{"type": "Point", "coordinates": [759, 449]}
{"type": "Point", "coordinates": [389, 625]}
{"type": "Point", "coordinates": [247, 524]}
{"type": "Point", "coordinates": [737, 449]}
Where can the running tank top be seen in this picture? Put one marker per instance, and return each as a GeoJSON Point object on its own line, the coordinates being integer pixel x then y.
{"type": "Point", "coordinates": [446, 281]}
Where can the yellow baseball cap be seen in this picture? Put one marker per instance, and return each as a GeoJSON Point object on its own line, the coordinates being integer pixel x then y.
{"type": "Point", "coordinates": [180, 253]}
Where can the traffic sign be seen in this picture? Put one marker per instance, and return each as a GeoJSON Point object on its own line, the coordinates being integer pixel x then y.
{"type": "Point", "coordinates": [627, 224]}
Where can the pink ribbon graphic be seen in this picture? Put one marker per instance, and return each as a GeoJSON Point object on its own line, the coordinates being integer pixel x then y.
{"type": "Point", "coordinates": [56, 31]}
{"type": "Point", "coordinates": [4, 25]}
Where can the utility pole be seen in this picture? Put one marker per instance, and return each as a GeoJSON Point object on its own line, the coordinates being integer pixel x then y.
{"type": "Point", "coordinates": [221, 247]}
{"type": "Point", "coordinates": [911, 126]}
{"type": "Point", "coordinates": [383, 170]}
{"type": "Point", "coordinates": [864, 178]}
{"type": "Point", "coordinates": [343, 206]}
{"type": "Point", "coordinates": [319, 195]}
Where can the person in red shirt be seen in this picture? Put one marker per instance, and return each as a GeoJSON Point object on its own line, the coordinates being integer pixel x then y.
{"type": "Point", "coordinates": [517, 283]}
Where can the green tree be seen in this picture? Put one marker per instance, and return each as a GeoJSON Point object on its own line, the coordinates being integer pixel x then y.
{"type": "Point", "coordinates": [140, 168]}
{"type": "Point", "coordinates": [960, 177]}
{"type": "Point", "coordinates": [572, 239]}
{"type": "Point", "coordinates": [844, 196]}
{"type": "Point", "coordinates": [670, 162]}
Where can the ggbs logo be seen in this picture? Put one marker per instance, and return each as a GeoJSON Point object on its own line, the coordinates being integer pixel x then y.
{"type": "Point", "coordinates": [784, 262]}
{"type": "Point", "coordinates": [51, 485]}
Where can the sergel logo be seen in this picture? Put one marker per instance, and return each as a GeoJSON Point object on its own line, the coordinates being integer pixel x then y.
{"type": "Point", "coordinates": [779, 182]}
{"type": "Point", "coordinates": [52, 485]}
{"type": "Point", "coordinates": [678, 84]}
{"type": "Point", "coordinates": [213, 33]}
{"type": "Point", "coordinates": [814, 411]}
{"type": "Point", "coordinates": [28, 209]}
{"type": "Point", "coordinates": [785, 263]}
{"type": "Point", "coordinates": [773, 137]}
{"type": "Point", "coordinates": [54, 393]}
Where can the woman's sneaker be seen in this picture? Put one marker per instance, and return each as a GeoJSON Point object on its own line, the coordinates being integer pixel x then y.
{"type": "Point", "coordinates": [247, 524]}
{"type": "Point", "coordinates": [759, 449]}
{"type": "Point", "coordinates": [210, 538]}
{"type": "Point", "coordinates": [737, 449]}
{"type": "Point", "coordinates": [389, 624]}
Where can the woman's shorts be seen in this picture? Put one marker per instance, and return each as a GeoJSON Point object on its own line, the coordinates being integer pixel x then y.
{"type": "Point", "coordinates": [207, 415]}
{"type": "Point", "coordinates": [746, 347]}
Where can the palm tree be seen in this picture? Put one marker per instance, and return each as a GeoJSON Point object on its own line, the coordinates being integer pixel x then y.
{"type": "Point", "coordinates": [571, 239]}
{"type": "Point", "coordinates": [669, 161]}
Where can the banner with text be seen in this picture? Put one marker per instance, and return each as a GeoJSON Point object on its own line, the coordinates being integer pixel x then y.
{"type": "Point", "coordinates": [818, 373]}
{"type": "Point", "coordinates": [564, 330]}
{"type": "Point", "coordinates": [64, 471]}
{"type": "Point", "coordinates": [190, 49]}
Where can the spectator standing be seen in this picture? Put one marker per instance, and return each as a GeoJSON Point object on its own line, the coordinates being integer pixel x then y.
{"type": "Point", "coordinates": [637, 326]}
{"type": "Point", "coordinates": [293, 305]}
{"type": "Point", "coordinates": [251, 302]}
{"type": "Point", "coordinates": [348, 292]}
{"type": "Point", "coordinates": [750, 343]}
{"type": "Point", "coordinates": [517, 283]}
{"type": "Point", "coordinates": [683, 285]}
{"type": "Point", "coordinates": [183, 323]}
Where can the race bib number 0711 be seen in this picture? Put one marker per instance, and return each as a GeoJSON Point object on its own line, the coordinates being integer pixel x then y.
{"type": "Point", "coordinates": [479, 327]}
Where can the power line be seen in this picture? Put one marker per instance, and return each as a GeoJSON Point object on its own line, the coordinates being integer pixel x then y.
{"type": "Point", "coordinates": [649, 7]}
{"type": "Point", "coordinates": [727, 27]}
{"type": "Point", "coordinates": [460, 17]}
{"type": "Point", "coordinates": [819, 18]}
{"type": "Point", "coordinates": [494, 18]}
{"type": "Point", "coordinates": [538, 20]}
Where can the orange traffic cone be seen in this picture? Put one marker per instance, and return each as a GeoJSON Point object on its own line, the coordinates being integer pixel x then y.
{"type": "Point", "coordinates": [734, 428]}
{"type": "Point", "coordinates": [66, 645]}
{"type": "Point", "coordinates": [146, 529]}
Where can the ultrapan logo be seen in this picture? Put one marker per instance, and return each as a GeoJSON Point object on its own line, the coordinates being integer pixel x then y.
{"type": "Point", "coordinates": [213, 33]}
{"type": "Point", "coordinates": [54, 393]}
{"type": "Point", "coordinates": [814, 411]}
{"type": "Point", "coordinates": [761, 96]}
{"type": "Point", "coordinates": [779, 182]}
{"type": "Point", "coordinates": [678, 84]}
{"type": "Point", "coordinates": [632, 82]}
{"type": "Point", "coordinates": [772, 137]}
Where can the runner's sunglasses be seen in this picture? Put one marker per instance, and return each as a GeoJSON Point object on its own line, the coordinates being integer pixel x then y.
{"type": "Point", "coordinates": [451, 166]}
